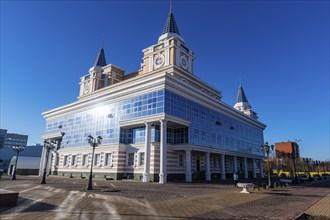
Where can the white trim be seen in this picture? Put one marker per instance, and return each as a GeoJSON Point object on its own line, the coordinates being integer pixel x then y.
{"type": "Point", "coordinates": [55, 135]}
{"type": "Point", "coordinates": [154, 118]}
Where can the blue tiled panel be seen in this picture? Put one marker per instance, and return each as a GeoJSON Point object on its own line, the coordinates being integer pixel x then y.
{"type": "Point", "coordinates": [208, 127]}
{"type": "Point", "coordinates": [104, 120]}
{"type": "Point", "coordinates": [212, 129]}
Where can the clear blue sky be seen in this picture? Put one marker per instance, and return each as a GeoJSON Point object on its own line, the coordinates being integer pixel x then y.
{"type": "Point", "coordinates": [280, 50]}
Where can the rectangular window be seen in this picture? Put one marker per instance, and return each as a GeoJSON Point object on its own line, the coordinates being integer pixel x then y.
{"type": "Point", "coordinates": [180, 160]}
{"type": "Point", "coordinates": [130, 161]}
{"type": "Point", "coordinates": [108, 159]}
{"type": "Point", "coordinates": [73, 160]}
{"type": "Point", "coordinates": [65, 161]}
{"type": "Point", "coordinates": [97, 159]}
{"type": "Point", "coordinates": [141, 159]}
{"type": "Point", "coordinates": [85, 160]}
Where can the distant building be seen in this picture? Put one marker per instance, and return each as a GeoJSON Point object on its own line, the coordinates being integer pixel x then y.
{"type": "Point", "coordinates": [6, 154]}
{"type": "Point", "coordinates": [25, 165]}
{"type": "Point", "coordinates": [8, 140]}
{"type": "Point", "coordinates": [287, 148]}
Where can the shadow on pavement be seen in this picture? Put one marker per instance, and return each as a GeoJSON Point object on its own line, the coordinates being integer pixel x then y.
{"type": "Point", "coordinates": [27, 205]}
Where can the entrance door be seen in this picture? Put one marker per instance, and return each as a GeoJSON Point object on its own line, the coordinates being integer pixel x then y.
{"type": "Point", "coordinates": [198, 165]}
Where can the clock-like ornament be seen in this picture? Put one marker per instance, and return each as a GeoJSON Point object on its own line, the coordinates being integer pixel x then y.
{"type": "Point", "coordinates": [87, 88]}
{"type": "Point", "coordinates": [159, 61]}
{"type": "Point", "coordinates": [183, 62]}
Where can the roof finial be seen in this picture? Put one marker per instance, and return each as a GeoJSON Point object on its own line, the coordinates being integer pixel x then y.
{"type": "Point", "coordinates": [102, 40]}
{"type": "Point", "coordinates": [170, 25]}
{"type": "Point", "coordinates": [171, 6]}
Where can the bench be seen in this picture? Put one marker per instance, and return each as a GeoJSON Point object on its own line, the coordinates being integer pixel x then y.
{"type": "Point", "coordinates": [8, 198]}
{"type": "Point", "coordinates": [245, 187]}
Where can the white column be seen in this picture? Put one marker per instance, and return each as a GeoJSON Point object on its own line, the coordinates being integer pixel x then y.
{"type": "Point", "coordinates": [261, 168]}
{"type": "Point", "coordinates": [234, 164]}
{"type": "Point", "coordinates": [254, 174]}
{"type": "Point", "coordinates": [188, 166]}
{"type": "Point", "coordinates": [207, 167]}
{"type": "Point", "coordinates": [245, 164]}
{"type": "Point", "coordinates": [146, 174]}
{"type": "Point", "coordinates": [223, 167]}
{"type": "Point", "coordinates": [50, 162]}
{"type": "Point", "coordinates": [56, 159]}
{"type": "Point", "coordinates": [42, 161]}
{"type": "Point", "coordinates": [163, 152]}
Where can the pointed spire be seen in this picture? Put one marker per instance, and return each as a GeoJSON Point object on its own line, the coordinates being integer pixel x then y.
{"type": "Point", "coordinates": [241, 97]}
{"type": "Point", "coordinates": [170, 25]}
{"type": "Point", "coordinates": [100, 59]}
{"type": "Point", "coordinates": [243, 104]}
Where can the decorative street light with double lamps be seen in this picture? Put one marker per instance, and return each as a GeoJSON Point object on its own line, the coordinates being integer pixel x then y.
{"type": "Point", "coordinates": [93, 142]}
{"type": "Point", "coordinates": [17, 149]}
{"type": "Point", "coordinates": [268, 149]}
{"type": "Point", "coordinates": [49, 146]}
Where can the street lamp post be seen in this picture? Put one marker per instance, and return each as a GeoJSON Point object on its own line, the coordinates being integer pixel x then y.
{"type": "Point", "coordinates": [293, 155]}
{"type": "Point", "coordinates": [307, 160]}
{"type": "Point", "coordinates": [17, 149]}
{"type": "Point", "coordinates": [49, 146]}
{"type": "Point", "coordinates": [93, 142]}
{"type": "Point", "coordinates": [268, 149]}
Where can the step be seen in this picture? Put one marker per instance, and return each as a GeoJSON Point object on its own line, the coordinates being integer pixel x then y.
{"type": "Point", "coordinates": [8, 198]}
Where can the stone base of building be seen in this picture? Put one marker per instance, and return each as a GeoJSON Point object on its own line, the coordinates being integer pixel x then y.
{"type": "Point", "coordinates": [178, 177]}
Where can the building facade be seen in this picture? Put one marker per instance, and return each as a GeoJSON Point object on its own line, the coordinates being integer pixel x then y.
{"type": "Point", "coordinates": [8, 140]}
{"type": "Point", "coordinates": [6, 154]}
{"type": "Point", "coordinates": [159, 123]}
{"type": "Point", "coordinates": [289, 148]}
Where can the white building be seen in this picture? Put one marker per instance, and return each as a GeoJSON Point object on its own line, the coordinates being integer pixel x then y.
{"type": "Point", "coordinates": [159, 123]}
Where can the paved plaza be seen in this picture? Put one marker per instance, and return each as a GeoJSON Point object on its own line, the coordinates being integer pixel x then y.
{"type": "Point", "coordinates": [67, 198]}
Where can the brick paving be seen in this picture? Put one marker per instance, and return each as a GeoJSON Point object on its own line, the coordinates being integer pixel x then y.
{"type": "Point", "coordinates": [321, 208]}
{"type": "Point", "coordinates": [67, 198]}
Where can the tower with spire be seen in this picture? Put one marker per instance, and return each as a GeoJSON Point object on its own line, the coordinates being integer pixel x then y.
{"type": "Point", "coordinates": [100, 75]}
{"type": "Point", "coordinates": [243, 105]}
{"type": "Point", "coordinates": [170, 50]}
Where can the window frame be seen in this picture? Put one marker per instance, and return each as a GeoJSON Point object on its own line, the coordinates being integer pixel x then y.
{"type": "Point", "coordinates": [97, 160]}
{"type": "Point", "coordinates": [84, 160]}
{"type": "Point", "coordinates": [108, 159]}
{"type": "Point", "coordinates": [65, 160]}
{"type": "Point", "coordinates": [128, 159]}
{"type": "Point", "coordinates": [73, 160]}
{"type": "Point", "coordinates": [141, 162]}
